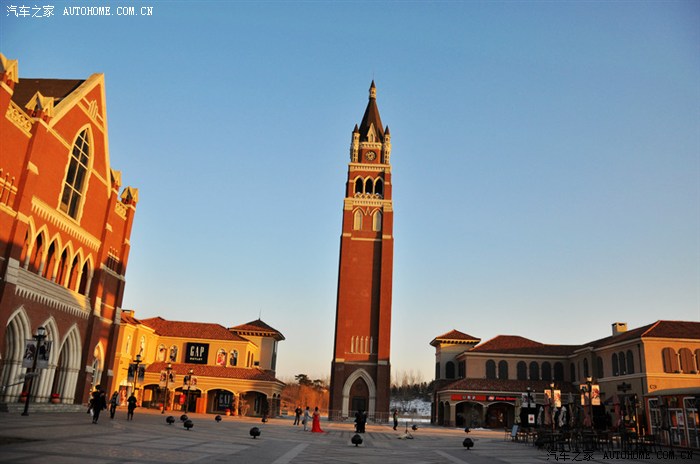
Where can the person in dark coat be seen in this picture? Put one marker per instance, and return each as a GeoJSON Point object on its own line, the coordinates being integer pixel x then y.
{"type": "Point", "coordinates": [131, 405]}
{"type": "Point", "coordinates": [99, 402]}
{"type": "Point", "coordinates": [113, 402]}
{"type": "Point", "coordinates": [297, 416]}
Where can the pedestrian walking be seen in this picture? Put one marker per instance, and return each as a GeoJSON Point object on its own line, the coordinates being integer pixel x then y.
{"type": "Point", "coordinates": [396, 418]}
{"type": "Point", "coordinates": [113, 402]}
{"type": "Point", "coordinates": [131, 405]}
{"type": "Point", "coordinates": [307, 418]}
{"type": "Point", "coordinates": [99, 402]}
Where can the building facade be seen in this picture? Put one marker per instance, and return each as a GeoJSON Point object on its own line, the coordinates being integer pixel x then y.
{"type": "Point", "coordinates": [65, 230]}
{"type": "Point", "coordinates": [484, 383]}
{"type": "Point", "coordinates": [360, 370]}
{"type": "Point", "coordinates": [234, 368]}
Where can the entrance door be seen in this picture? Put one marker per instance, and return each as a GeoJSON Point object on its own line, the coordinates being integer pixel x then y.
{"type": "Point", "coordinates": [359, 403]}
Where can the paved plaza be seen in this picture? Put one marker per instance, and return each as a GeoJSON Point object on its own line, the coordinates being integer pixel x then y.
{"type": "Point", "coordinates": [72, 438]}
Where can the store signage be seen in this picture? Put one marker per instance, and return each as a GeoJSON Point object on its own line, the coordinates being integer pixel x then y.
{"type": "Point", "coordinates": [196, 353]}
{"type": "Point", "coordinates": [510, 399]}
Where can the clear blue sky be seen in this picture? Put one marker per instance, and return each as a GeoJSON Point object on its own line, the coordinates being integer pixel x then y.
{"type": "Point", "coordinates": [546, 160]}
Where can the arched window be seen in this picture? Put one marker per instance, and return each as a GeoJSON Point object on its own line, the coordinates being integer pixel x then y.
{"type": "Point", "coordinates": [50, 261]}
{"type": "Point", "coordinates": [162, 352]}
{"type": "Point", "coordinates": [437, 371]}
{"type": "Point", "coordinates": [503, 370]}
{"type": "Point", "coordinates": [615, 365]}
{"type": "Point", "coordinates": [623, 363]}
{"type": "Point", "coordinates": [585, 368]}
{"type": "Point", "coordinates": [490, 369]}
{"type": "Point", "coordinates": [76, 175]}
{"type": "Point", "coordinates": [546, 371]}
{"type": "Point", "coordinates": [521, 370]}
{"type": "Point", "coordinates": [357, 220]}
{"type": "Point", "coordinates": [369, 186]}
{"type": "Point", "coordinates": [73, 273]}
{"type": "Point", "coordinates": [450, 370]}
{"type": "Point", "coordinates": [359, 185]}
{"type": "Point", "coordinates": [572, 372]}
{"type": "Point", "coordinates": [462, 369]}
{"type": "Point", "coordinates": [128, 345]}
{"type": "Point", "coordinates": [37, 254]}
{"type": "Point", "coordinates": [599, 367]}
{"type": "Point", "coordinates": [377, 221]}
{"type": "Point", "coordinates": [534, 371]}
{"type": "Point", "coordinates": [82, 289]}
{"type": "Point", "coordinates": [379, 187]}
{"type": "Point", "coordinates": [670, 359]}
{"type": "Point", "coordinates": [630, 362]}
{"type": "Point", "coordinates": [558, 371]}
{"type": "Point", "coordinates": [61, 269]}
{"type": "Point", "coordinates": [221, 357]}
{"type": "Point", "coordinates": [173, 353]}
{"type": "Point", "coordinates": [687, 361]}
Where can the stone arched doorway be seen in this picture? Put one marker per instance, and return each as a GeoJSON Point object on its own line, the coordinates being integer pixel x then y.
{"type": "Point", "coordinates": [359, 392]}
{"type": "Point", "coordinates": [499, 415]}
{"type": "Point", "coordinates": [469, 414]}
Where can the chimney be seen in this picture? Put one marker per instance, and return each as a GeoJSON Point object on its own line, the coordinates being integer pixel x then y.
{"type": "Point", "coordinates": [618, 328]}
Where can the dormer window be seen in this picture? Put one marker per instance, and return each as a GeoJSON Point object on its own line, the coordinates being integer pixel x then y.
{"type": "Point", "coordinates": [74, 186]}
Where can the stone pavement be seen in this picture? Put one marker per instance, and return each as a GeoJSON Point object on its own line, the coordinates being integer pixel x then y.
{"type": "Point", "coordinates": [72, 438]}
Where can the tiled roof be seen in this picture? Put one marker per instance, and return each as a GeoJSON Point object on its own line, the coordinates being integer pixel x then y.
{"type": "Point", "coordinates": [190, 329]}
{"type": "Point", "coordinates": [514, 344]}
{"type": "Point", "coordinates": [658, 329]}
{"type": "Point", "coordinates": [257, 327]}
{"type": "Point", "coordinates": [454, 336]}
{"type": "Point", "coordinates": [57, 88]}
{"type": "Point", "coordinates": [129, 319]}
{"type": "Point", "coordinates": [507, 385]}
{"type": "Point", "coordinates": [240, 373]}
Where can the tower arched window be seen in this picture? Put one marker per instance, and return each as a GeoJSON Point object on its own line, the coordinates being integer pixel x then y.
{"type": "Point", "coordinates": [359, 185]}
{"type": "Point", "coordinates": [546, 370]}
{"type": "Point", "coordinates": [369, 186]}
{"type": "Point", "coordinates": [379, 187]}
{"type": "Point", "coordinates": [623, 363]}
{"type": "Point", "coordinates": [503, 370]}
{"type": "Point", "coordinates": [74, 185]}
{"type": "Point", "coordinates": [615, 365]}
{"type": "Point", "coordinates": [377, 221]}
{"type": "Point", "coordinates": [490, 369]}
{"type": "Point", "coordinates": [449, 370]}
{"type": "Point", "coordinates": [687, 361]}
{"type": "Point", "coordinates": [357, 220]}
{"type": "Point", "coordinates": [521, 370]}
{"type": "Point", "coordinates": [534, 371]}
{"type": "Point", "coordinates": [670, 359]}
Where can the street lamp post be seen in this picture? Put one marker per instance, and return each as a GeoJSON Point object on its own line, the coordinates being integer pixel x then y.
{"type": "Point", "coordinates": [552, 404]}
{"type": "Point", "coordinates": [39, 337]}
{"type": "Point", "coordinates": [137, 360]}
{"type": "Point", "coordinates": [168, 369]}
{"type": "Point", "coordinates": [189, 383]}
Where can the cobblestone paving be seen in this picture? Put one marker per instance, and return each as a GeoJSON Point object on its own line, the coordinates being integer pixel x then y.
{"type": "Point", "coordinates": [72, 438]}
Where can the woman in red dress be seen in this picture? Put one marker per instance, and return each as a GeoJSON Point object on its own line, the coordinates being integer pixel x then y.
{"type": "Point", "coordinates": [316, 424]}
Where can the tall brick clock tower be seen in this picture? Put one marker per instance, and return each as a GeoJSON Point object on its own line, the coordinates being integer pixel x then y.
{"type": "Point", "coordinates": [361, 373]}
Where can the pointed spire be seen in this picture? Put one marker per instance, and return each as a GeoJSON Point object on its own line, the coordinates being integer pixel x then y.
{"type": "Point", "coordinates": [371, 117]}
{"type": "Point", "coordinates": [372, 91]}
{"type": "Point", "coordinates": [355, 130]}
{"type": "Point", "coordinates": [386, 131]}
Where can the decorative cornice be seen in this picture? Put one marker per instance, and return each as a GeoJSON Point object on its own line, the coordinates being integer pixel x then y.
{"type": "Point", "coordinates": [65, 224]}
{"type": "Point", "coordinates": [352, 167]}
{"type": "Point", "coordinates": [35, 287]}
{"type": "Point", "coordinates": [19, 118]}
{"type": "Point", "coordinates": [351, 203]}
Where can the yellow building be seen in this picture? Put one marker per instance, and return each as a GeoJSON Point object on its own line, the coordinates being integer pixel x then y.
{"type": "Point", "coordinates": [232, 369]}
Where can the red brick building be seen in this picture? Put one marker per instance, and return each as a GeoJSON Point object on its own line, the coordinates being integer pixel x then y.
{"type": "Point", "coordinates": [360, 372]}
{"type": "Point", "coordinates": [64, 233]}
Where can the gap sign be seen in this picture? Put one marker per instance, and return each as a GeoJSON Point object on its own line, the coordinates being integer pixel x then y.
{"type": "Point", "coordinates": [196, 353]}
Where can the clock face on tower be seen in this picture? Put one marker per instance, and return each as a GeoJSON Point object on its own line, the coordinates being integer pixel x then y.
{"type": "Point", "coordinates": [370, 156]}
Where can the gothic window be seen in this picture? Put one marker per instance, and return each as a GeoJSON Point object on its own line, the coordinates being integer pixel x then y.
{"type": "Point", "coordinates": [503, 370]}
{"type": "Point", "coordinates": [450, 370]}
{"type": "Point", "coordinates": [546, 371]}
{"type": "Point", "coordinates": [84, 273]}
{"type": "Point", "coordinates": [377, 221]}
{"type": "Point", "coordinates": [558, 371]}
{"type": "Point", "coordinates": [534, 371]}
{"type": "Point", "coordinates": [50, 261]}
{"type": "Point", "coordinates": [35, 263]}
{"type": "Point", "coordinates": [670, 359]}
{"type": "Point", "coordinates": [61, 271]}
{"type": "Point", "coordinates": [359, 186]}
{"type": "Point", "coordinates": [369, 186]}
{"type": "Point", "coordinates": [521, 370]}
{"type": "Point", "coordinates": [615, 365]}
{"type": "Point", "coordinates": [357, 220]}
{"type": "Point", "coordinates": [630, 362]}
{"type": "Point", "coordinates": [73, 188]}
{"type": "Point", "coordinates": [687, 362]}
{"type": "Point", "coordinates": [233, 358]}
{"type": "Point", "coordinates": [379, 187]}
{"type": "Point", "coordinates": [490, 369]}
